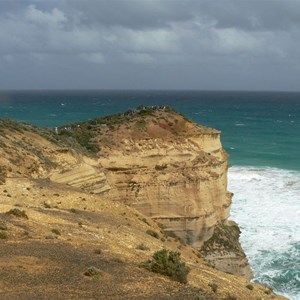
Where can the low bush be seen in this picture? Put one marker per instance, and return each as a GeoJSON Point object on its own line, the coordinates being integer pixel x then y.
{"type": "Point", "coordinates": [142, 246]}
{"type": "Point", "coordinates": [3, 235]}
{"type": "Point", "coordinates": [214, 286]}
{"type": "Point", "coordinates": [56, 231]}
{"type": "Point", "coordinates": [268, 292]}
{"type": "Point", "coordinates": [145, 221]}
{"type": "Point", "coordinates": [97, 251]}
{"type": "Point", "coordinates": [169, 264]}
{"type": "Point", "coordinates": [17, 213]}
{"type": "Point", "coordinates": [92, 271]}
{"type": "Point", "coordinates": [230, 297]}
{"type": "Point", "coordinates": [152, 233]}
{"type": "Point", "coordinates": [3, 226]}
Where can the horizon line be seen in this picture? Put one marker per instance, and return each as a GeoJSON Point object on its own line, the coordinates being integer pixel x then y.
{"type": "Point", "coordinates": [146, 90]}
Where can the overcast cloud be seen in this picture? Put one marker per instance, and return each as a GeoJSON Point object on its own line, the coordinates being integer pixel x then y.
{"type": "Point", "coordinates": [155, 44]}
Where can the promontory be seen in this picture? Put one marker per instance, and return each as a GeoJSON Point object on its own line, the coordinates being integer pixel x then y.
{"type": "Point", "coordinates": [129, 206]}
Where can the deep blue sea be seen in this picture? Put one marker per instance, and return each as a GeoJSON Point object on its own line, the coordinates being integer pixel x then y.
{"type": "Point", "coordinates": [261, 132]}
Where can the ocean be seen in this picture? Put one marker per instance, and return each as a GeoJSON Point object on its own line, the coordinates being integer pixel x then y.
{"type": "Point", "coordinates": [260, 131]}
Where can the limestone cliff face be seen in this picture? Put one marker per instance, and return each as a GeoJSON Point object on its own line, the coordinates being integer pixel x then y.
{"type": "Point", "coordinates": [170, 169]}
{"type": "Point", "coordinates": [174, 171]}
{"type": "Point", "coordinates": [179, 182]}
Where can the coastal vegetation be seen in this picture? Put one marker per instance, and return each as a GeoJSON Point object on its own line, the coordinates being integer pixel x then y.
{"type": "Point", "coordinates": [152, 233]}
{"type": "Point", "coordinates": [168, 263]}
{"type": "Point", "coordinates": [224, 237]}
{"type": "Point", "coordinates": [17, 213]}
{"type": "Point", "coordinates": [3, 235]}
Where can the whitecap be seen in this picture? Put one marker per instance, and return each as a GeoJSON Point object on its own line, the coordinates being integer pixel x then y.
{"type": "Point", "coordinates": [266, 205]}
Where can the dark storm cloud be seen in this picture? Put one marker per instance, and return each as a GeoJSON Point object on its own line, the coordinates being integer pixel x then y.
{"type": "Point", "coordinates": [131, 14]}
{"type": "Point", "coordinates": [254, 15]}
{"type": "Point", "coordinates": [149, 44]}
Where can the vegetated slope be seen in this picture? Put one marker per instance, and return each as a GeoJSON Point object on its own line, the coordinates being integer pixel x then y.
{"type": "Point", "coordinates": [73, 229]}
{"type": "Point", "coordinates": [68, 231]}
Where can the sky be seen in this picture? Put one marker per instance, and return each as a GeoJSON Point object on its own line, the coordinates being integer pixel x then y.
{"type": "Point", "coordinates": [150, 44]}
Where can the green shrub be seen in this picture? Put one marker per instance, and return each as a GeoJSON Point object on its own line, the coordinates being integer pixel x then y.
{"type": "Point", "coordinates": [268, 292]}
{"type": "Point", "coordinates": [17, 213]}
{"type": "Point", "coordinates": [3, 226]}
{"type": "Point", "coordinates": [97, 251]}
{"type": "Point", "coordinates": [168, 263]}
{"type": "Point", "coordinates": [214, 286]}
{"type": "Point", "coordinates": [145, 221]}
{"type": "Point", "coordinates": [50, 237]}
{"type": "Point", "coordinates": [92, 271]}
{"type": "Point", "coordinates": [230, 297]}
{"type": "Point", "coordinates": [56, 231]}
{"type": "Point", "coordinates": [3, 235]}
{"type": "Point", "coordinates": [250, 287]}
{"type": "Point", "coordinates": [152, 233]}
{"type": "Point", "coordinates": [142, 246]}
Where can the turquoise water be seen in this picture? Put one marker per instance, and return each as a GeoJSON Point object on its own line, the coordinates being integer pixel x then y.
{"type": "Point", "coordinates": [260, 130]}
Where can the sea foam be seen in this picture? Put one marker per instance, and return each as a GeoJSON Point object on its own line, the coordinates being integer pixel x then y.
{"type": "Point", "coordinates": [266, 205]}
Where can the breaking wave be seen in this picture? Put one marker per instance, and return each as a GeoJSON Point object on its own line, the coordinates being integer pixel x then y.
{"type": "Point", "coordinates": [266, 205]}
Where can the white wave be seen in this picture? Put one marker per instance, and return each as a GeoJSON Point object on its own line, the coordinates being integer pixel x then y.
{"type": "Point", "coordinates": [266, 205]}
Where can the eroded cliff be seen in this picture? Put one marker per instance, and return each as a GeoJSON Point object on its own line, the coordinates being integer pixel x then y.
{"type": "Point", "coordinates": [110, 181]}
{"type": "Point", "coordinates": [152, 159]}
{"type": "Point", "coordinates": [168, 168]}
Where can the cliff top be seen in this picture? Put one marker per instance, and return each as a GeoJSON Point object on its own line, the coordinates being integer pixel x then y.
{"type": "Point", "coordinates": [41, 150]}
{"type": "Point", "coordinates": [153, 122]}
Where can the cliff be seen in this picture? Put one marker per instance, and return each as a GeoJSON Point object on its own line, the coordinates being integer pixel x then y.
{"type": "Point", "coordinates": [168, 168]}
{"type": "Point", "coordinates": [110, 182]}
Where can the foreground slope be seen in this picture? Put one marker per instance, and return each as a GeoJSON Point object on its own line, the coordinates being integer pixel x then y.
{"type": "Point", "coordinates": [69, 231]}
